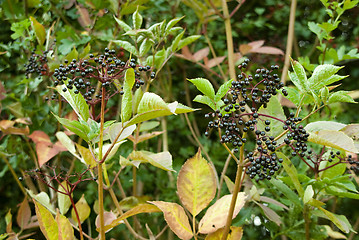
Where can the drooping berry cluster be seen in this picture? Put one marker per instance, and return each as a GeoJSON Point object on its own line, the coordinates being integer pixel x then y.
{"type": "Point", "coordinates": [83, 75]}
{"type": "Point", "coordinates": [37, 64]}
{"type": "Point", "coordinates": [297, 136]}
{"type": "Point", "coordinates": [240, 115]}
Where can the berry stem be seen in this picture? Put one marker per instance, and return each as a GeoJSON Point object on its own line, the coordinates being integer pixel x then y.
{"type": "Point", "coordinates": [237, 187]}
{"type": "Point", "coordinates": [100, 170]}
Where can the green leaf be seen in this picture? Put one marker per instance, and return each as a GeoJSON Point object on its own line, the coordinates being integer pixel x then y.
{"type": "Point", "coordinates": [340, 96]}
{"type": "Point", "coordinates": [145, 47]}
{"type": "Point", "coordinates": [127, 46]}
{"type": "Point", "coordinates": [187, 41]}
{"type": "Point", "coordinates": [72, 55]}
{"type": "Point", "coordinates": [324, 125]}
{"type": "Point", "coordinates": [222, 91]}
{"type": "Point", "coordinates": [205, 100]}
{"type": "Point", "coordinates": [308, 194]}
{"type": "Point", "coordinates": [117, 129]}
{"type": "Point", "coordinates": [332, 190]}
{"type": "Point", "coordinates": [126, 103]}
{"type": "Point", "coordinates": [293, 95]}
{"type": "Point", "coordinates": [39, 30]}
{"type": "Point", "coordinates": [183, 109]}
{"type": "Point", "coordinates": [162, 160]}
{"type": "Point", "coordinates": [77, 102]}
{"type": "Point", "coordinates": [292, 173]}
{"type": "Point", "coordinates": [67, 143]}
{"type": "Point", "coordinates": [160, 58]}
{"type": "Point", "coordinates": [274, 108]}
{"type": "Point", "coordinates": [204, 86]}
{"type": "Point", "coordinates": [332, 217]}
{"type": "Point", "coordinates": [47, 222]}
{"type": "Point", "coordinates": [176, 41]}
{"type": "Point", "coordinates": [334, 139]}
{"type": "Point", "coordinates": [323, 75]}
{"type": "Point", "coordinates": [147, 126]}
{"type": "Point", "coordinates": [19, 28]}
{"type": "Point", "coordinates": [122, 24]}
{"type": "Point", "coordinates": [298, 76]}
{"type": "Point", "coordinates": [136, 100]}
{"type": "Point", "coordinates": [137, 19]}
{"type": "Point", "coordinates": [315, 28]}
{"type": "Point", "coordinates": [75, 127]}
{"type": "Point", "coordinates": [171, 23]}
{"type": "Point", "coordinates": [64, 201]}
{"type": "Point", "coordinates": [151, 101]}
{"type": "Point", "coordinates": [287, 192]}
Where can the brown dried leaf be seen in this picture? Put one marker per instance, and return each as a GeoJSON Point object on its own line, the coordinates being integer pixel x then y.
{"type": "Point", "coordinates": [187, 53]}
{"type": "Point", "coordinates": [24, 214]}
{"type": "Point", "coordinates": [268, 50]}
{"type": "Point", "coordinates": [245, 48]}
{"type": "Point", "coordinates": [109, 217]}
{"type": "Point", "coordinates": [200, 54]}
{"type": "Point", "coordinates": [84, 18]}
{"type": "Point", "coordinates": [256, 44]}
{"type": "Point", "coordinates": [215, 61]}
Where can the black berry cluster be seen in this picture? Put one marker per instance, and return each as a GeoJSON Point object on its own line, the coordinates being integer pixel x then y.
{"type": "Point", "coordinates": [37, 64]}
{"type": "Point", "coordinates": [240, 115]}
{"type": "Point", "coordinates": [297, 136]}
{"type": "Point", "coordinates": [83, 75]}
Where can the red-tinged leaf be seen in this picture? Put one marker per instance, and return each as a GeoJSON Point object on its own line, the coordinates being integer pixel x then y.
{"type": "Point", "coordinates": [2, 91]}
{"type": "Point", "coordinates": [275, 202]}
{"type": "Point", "coordinates": [84, 18]}
{"type": "Point", "coordinates": [45, 152]}
{"type": "Point", "coordinates": [8, 221]}
{"type": "Point", "coordinates": [47, 222]}
{"type": "Point", "coordinates": [40, 136]}
{"type": "Point", "coordinates": [15, 130]}
{"type": "Point", "coordinates": [59, 147]}
{"type": "Point", "coordinates": [145, 136]}
{"type": "Point", "coordinates": [216, 215]}
{"type": "Point", "coordinates": [39, 30]}
{"type": "Point", "coordinates": [196, 184]}
{"type": "Point", "coordinates": [256, 44]}
{"type": "Point", "coordinates": [83, 209]}
{"type": "Point", "coordinates": [24, 120]}
{"type": "Point", "coordinates": [268, 50]}
{"type": "Point", "coordinates": [235, 233]}
{"type": "Point", "coordinates": [66, 232]}
{"type": "Point", "coordinates": [187, 53]}
{"type": "Point", "coordinates": [215, 61]}
{"type": "Point", "coordinates": [141, 208]}
{"type": "Point", "coordinates": [176, 219]}
{"type": "Point", "coordinates": [200, 54]}
{"type": "Point", "coordinates": [24, 214]}
{"type": "Point", "coordinates": [109, 217]}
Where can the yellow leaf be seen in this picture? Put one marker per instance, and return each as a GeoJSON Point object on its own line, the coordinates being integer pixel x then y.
{"type": "Point", "coordinates": [86, 155]}
{"type": "Point", "coordinates": [236, 233]}
{"type": "Point", "coordinates": [39, 30]}
{"type": "Point", "coordinates": [216, 215]}
{"type": "Point", "coordinates": [47, 222]}
{"type": "Point", "coordinates": [176, 219]}
{"type": "Point", "coordinates": [66, 232]}
{"type": "Point", "coordinates": [142, 208]}
{"type": "Point", "coordinates": [83, 209]}
{"type": "Point", "coordinates": [196, 184]}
